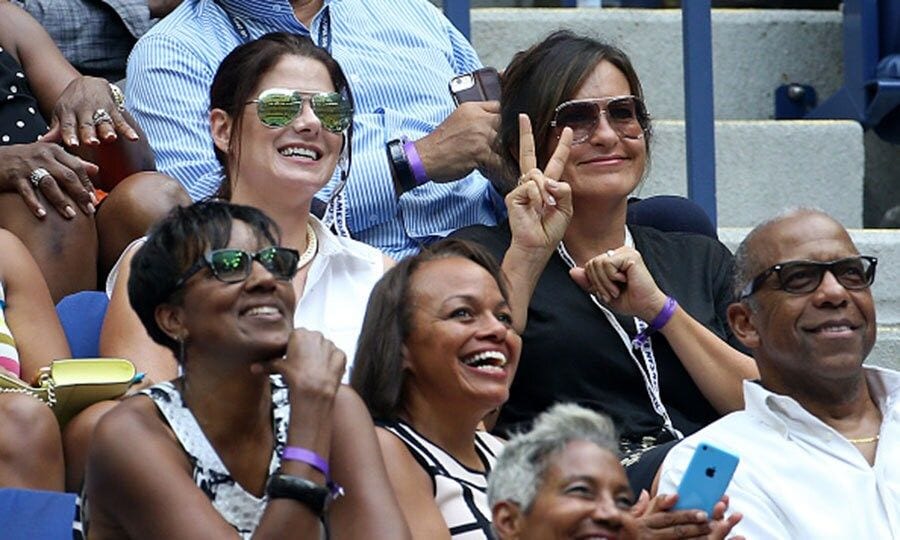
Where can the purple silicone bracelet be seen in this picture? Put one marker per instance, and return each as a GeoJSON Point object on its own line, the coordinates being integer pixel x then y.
{"type": "Point", "coordinates": [415, 162]}
{"type": "Point", "coordinates": [317, 462]}
{"type": "Point", "coordinates": [661, 319]}
{"type": "Point", "coordinates": [314, 460]}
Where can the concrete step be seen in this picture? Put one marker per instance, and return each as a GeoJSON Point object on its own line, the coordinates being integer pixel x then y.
{"type": "Point", "coordinates": [884, 244]}
{"type": "Point", "coordinates": [764, 165]}
{"type": "Point", "coordinates": [754, 50]}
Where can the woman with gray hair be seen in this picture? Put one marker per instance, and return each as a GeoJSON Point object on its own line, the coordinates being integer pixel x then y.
{"type": "Point", "coordinates": [563, 479]}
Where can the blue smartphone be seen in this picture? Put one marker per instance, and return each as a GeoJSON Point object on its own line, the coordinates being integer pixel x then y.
{"type": "Point", "coordinates": [706, 478]}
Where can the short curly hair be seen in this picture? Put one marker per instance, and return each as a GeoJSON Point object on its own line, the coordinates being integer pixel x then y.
{"type": "Point", "coordinates": [174, 244]}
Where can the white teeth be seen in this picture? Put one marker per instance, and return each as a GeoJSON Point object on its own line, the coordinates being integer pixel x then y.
{"type": "Point", "coordinates": [299, 152]}
{"type": "Point", "coordinates": [262, 310]}
{"type": "Point", "coordinates": [841, 328]}
{"type": "Point", "coordinates": [487, 361]}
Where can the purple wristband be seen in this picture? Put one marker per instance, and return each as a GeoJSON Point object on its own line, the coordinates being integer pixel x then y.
{"type": "Point", "coordinates": [314, 460]}
{"type": "Point", "coordinates": [317, 462]}
{"type": "Point", "coordinates": [415, 163]}
{"type": "Point", "coordinates": [661, 319]}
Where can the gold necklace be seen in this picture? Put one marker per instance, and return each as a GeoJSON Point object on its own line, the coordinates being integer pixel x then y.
{"type": "Point", "coordinates": [312, 243]}
{"type": "Point", "coordinates": [864, 440]}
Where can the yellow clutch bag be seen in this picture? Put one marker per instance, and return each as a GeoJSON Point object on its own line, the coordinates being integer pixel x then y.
{"type": "Point", "coordinates": [68, 386]}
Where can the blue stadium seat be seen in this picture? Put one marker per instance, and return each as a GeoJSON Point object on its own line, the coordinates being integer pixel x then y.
{"type": "Point", "coordinates": [29, 514]}
{"type": "Point", "coordinates": [871, 91]}
{"type": "Point", "coordinates": [81, 315]}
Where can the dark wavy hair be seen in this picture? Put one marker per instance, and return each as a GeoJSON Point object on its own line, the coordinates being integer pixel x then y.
{"type": "Point", "coordinates": [237, 79]}
{"type": "Point", "coordinates": [174, 244]}
{"type": "Point", "coordinates": [545, 75]}
{"type": "Point", "coordinates": [378, 373]}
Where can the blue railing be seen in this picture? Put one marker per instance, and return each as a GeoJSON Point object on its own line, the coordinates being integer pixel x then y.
{"type": "Point", "coordinates": [698, 94]}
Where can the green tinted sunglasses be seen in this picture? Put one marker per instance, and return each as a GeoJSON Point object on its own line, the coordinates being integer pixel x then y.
{"type": "Point", "coordinates": [233, 265]}
{"type": "Point", "coordinates": [277, 107]}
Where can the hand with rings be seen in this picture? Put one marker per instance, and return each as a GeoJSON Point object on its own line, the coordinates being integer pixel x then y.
{"type": "Point", "coordinates": [540, 207]}
{"type": "Point", "coordinates": [89, 111]}
{"type": "Point", "coordinates": [621, 280]}
{"type": "Point", "coordinates": [45, 168]}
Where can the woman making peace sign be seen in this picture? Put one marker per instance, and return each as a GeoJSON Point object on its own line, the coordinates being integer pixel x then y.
{"type": "Point", "coordinates": [623, 319]}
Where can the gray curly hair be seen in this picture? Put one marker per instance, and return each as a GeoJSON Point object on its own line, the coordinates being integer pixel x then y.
{"type": "Point", "coordinates": [520, 468]}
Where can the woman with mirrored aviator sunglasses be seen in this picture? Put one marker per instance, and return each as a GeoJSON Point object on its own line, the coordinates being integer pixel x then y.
{"type": "Point", "coordinates": [257, 437]}
{"type": "Point", "coordinates": [625, 319]}
{"type": "Point", "coordinates": [281, 117]}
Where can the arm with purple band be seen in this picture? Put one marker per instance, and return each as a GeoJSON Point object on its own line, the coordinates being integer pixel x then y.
{"type": "Point", "coordinates": [661, 319]}
{"type": "Point", "coordinates": [317, 462]}
{"type": "Point", "coordinates": [406, 166]}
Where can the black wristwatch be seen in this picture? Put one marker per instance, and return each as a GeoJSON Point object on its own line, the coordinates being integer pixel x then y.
{"type": "Point", "coordinates": [404, 179]}
{"type": "Point", "coordinates": [315, 497]}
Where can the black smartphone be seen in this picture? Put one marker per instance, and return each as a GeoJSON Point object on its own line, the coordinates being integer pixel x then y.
{"type": "Point", "coordinates": [706, 478]}
{"type": "Point", "coordinates": [480, 85]}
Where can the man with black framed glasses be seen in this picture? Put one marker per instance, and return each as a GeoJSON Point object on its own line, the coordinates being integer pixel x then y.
{"type": "Point", "coordinates": [819, 435]}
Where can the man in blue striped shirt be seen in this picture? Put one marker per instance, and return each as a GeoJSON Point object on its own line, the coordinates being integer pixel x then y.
{"type": "Point", "coordinates": [398, 55]}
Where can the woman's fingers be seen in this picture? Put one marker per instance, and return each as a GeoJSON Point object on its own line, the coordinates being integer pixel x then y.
{"type": "Point", "coordinates": [557, 163]}
{"type": "Point", "coordinates": [527, 158]}
{"type": "Point", "coordinates": [87, 130]}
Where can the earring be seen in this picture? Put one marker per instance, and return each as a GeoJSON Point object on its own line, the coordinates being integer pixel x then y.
{"type": "Point", "coordinates": [181, 353]}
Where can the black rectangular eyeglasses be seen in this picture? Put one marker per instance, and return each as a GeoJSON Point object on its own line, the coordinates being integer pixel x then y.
{"type": "Point", "coordinates": [802, 277]}
{"type": "Point", "coordinates": [234, 265]}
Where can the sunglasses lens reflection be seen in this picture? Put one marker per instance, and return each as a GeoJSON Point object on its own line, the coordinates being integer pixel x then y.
{"type": "Point", "coordinates": [281, 262]}
{"type": "Point", "coordinates": [278, 109]}
{"type": "Point", "coordinates": [333, 110]}
{"type": "Point", "coordinates": [230, 265]}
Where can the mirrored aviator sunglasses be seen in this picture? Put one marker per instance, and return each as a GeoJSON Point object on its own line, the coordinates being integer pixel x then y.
{"type": "Point", "coordinates": [277, 107]}
{"type": "Point", "coordinates": [625, 114]}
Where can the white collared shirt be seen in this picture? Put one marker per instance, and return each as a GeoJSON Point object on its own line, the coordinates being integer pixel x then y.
{"type": "Point", "coordinates": [798, 477]}
{"type": "Point", "coordinates": [336, 293]}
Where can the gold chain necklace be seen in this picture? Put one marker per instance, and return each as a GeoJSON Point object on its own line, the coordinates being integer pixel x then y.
{"type": "Point", "coordinates": [312, 244]}
{"type": "Point", "coordinates": [864, 440]}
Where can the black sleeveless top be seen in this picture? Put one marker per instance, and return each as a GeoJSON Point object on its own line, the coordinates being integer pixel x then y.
{"type": "Point", "coordinates": [20, 119]}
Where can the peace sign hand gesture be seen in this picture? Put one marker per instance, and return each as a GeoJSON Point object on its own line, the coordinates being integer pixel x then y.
{"type": "Point", "coordinates": [540, 207]}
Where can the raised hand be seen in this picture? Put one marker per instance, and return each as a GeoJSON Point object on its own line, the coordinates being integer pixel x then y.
{"type": "Point", "coordinates": [540, 207]}
{"type": "Point", "coordinates": [312, 368]}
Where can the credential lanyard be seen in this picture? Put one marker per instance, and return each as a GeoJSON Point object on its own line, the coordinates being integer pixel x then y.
{"type": "Point", "coordinates": [240, 27]}
{"type": "Point", "coordinates": [648, 370]}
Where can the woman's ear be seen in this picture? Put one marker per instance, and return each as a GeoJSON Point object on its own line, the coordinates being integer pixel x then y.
{"type": "Point", "coordinates": [740, 317]}
{"type": "Point", "coordinates": [507, 520]}
{"type": "Point", "coordinates": [220, 128]}
{"type": "Point", "coordinates": [170, 319]}
{"type": "Point", "coordinates": [404, 354]}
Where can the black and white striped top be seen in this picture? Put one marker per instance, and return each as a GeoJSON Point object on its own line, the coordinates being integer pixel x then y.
{"type": "Point", "coordinates": [460, 492]}
{"type": "Point", "coordinates": [240, 508]}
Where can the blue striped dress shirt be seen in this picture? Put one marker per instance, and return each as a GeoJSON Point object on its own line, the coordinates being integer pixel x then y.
{"type": "Point", "coordinates": [398, 56]}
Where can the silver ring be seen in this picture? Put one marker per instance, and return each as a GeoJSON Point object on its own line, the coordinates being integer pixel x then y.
{"type": "Point", "coordinates": [100, 116]}
{"type": "Point", "coordinates": [610, 253]}
{"type": "Point", "coordinates": [37, 175]}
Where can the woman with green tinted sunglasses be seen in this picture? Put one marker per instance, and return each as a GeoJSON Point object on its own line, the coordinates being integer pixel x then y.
{"type": "Point", "coordinates": [257, 437]}
{"type": "Point", "coordinates": [281, 116]}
